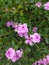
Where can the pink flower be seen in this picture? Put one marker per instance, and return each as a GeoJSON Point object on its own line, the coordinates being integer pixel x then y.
{"type": "Point", "coordinates": [46, 6]}
{"type": "Point", "coordinates": [17, 56]}
{"type": "Point", "coordinates": [40, 62]}
{"type": "Point", "coordinates": [9, 23]}
{"type": "Point", "coordinates": [35, 29]}
{"type": "Point", "coordinates": [10, 53]}
{"type": "Point", "coordinates": [22, 30]}
{"type": "Point", "coordinates": [47, 57]}
{"type": "Point", "coordinates": [38, 4]}
{"type": "Point", "coordinates": [36, 37]}
{"type": "Point", "coordinates": [44, 61]}
{"type": "Point", "coordinates": [29, 40]}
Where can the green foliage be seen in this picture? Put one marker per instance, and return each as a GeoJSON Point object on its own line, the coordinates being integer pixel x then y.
{"type": "Point", "coordinates": [23, 11]}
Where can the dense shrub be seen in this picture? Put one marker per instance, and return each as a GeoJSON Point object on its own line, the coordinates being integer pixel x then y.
{"type": "Point", "coordinates": [23, 11]}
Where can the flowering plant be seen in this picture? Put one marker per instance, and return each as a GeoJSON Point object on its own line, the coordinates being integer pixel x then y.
{"type": "Point", "coordinates": [24, 32]}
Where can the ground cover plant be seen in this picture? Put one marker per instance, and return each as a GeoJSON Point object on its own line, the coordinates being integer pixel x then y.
{"type": "Point", "coordinates": [24, 32]}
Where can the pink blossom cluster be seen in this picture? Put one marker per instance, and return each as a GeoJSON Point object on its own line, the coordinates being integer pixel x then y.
{"type": "Point", "coordinates": [34, 38]}
{"type": "Point", "coordinates": [22, 31]}
{"type": "Point", "coordinates": [46, 5]}
{"type": "Point", "coordinates": [44, 61]}
{"type": "Point", "coordinates": [14, 55]}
